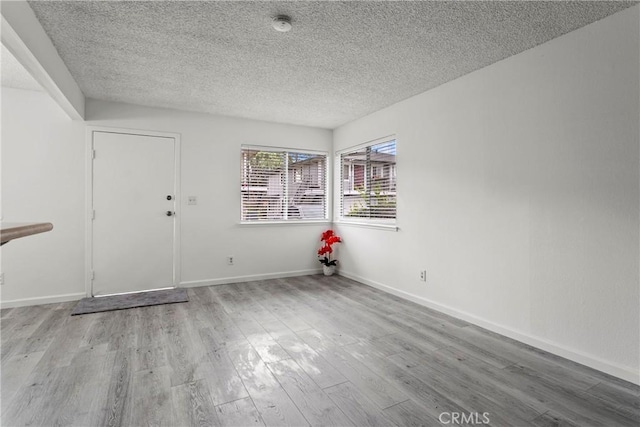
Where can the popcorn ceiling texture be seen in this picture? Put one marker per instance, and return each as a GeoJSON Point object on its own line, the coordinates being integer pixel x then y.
{"type": "Point", "coordinates": [341, 60]}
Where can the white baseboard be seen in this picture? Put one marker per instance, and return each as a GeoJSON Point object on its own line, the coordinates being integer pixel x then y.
{"type": "Point", "coordinates": [192, 284]}
{"type": "Point", "coordinates": [623, 372]}
{"type": "Point", "coordinates": [250, 278]}
{"type": "Point", "coordinates": [42, 300]}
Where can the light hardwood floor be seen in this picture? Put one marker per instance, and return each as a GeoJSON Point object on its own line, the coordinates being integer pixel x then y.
{"type": "Point", "coordinates": [310, 350]}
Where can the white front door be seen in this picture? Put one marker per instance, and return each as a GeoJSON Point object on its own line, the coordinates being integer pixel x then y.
{"type": "Point", "coordinates": [134, 192]}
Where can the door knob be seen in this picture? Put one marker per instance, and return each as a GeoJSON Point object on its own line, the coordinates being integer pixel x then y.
{"type": "Point", "coordinates": [169, 213]}
{"type": "Point", "coordinates": [169, 197]}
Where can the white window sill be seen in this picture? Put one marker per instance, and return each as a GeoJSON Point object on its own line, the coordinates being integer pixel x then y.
{"type": "Point", "coordinates": [283, 223]}
{"type": "Point", "coordinates": [378, 226]}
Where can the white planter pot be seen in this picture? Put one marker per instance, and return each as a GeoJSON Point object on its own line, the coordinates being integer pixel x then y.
{"type": "Point", "coordinates": [329, 270]}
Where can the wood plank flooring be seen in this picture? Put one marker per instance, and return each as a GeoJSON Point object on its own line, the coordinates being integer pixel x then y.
{"type": "Point", "coordinates": [309, 350]}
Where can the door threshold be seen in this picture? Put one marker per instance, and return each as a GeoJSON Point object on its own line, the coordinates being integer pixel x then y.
{"type": "Point", "coordinates": [134, 292]}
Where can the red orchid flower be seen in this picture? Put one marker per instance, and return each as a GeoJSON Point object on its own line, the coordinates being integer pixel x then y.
{"type": "Point", "coordinates": [329, 238]}
{"type": "Point", "coordinates": [333, 239]}
{"type": "Point", "coordinates": [327, 234]}
{"type": "Point", "coordinates": [326, 249]}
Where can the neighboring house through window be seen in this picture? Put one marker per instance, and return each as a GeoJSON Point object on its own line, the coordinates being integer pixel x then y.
{"type": "Point", "coordinates": [283, 185]}
{"type": "Point", "coordinates": [368, 182]}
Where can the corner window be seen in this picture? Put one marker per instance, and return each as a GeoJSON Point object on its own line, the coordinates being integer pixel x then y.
{"type": "Point", "coordinates": [282, 185]}
{"type": "Point", "coordinates": [368, 182]}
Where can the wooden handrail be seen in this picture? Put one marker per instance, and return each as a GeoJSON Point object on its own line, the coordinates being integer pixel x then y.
{"type": "Point", "coordinates": [15, 230]}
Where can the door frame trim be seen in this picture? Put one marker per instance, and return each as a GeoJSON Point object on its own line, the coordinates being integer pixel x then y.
{"type": "Point", "coordinates": [90, 130]}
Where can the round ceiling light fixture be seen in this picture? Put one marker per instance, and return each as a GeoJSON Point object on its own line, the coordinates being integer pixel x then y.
{"type": "Point", "coordinates": [282, 23]}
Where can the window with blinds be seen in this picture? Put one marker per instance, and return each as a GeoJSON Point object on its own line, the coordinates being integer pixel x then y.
{"type": "Point", "coordinates": [282, 185]}
{"type": "Point", "coordinates": [368, 182]}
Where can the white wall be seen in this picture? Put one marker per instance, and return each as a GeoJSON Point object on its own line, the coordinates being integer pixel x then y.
{"type": "Point", "coordinates": [42, 181]}
{"type": "Point", "coordinates": [43, 174]}
{"type": "Point", "coordinates": [518, 192]}
{"type": "Point", "coordinates": [211, 171]}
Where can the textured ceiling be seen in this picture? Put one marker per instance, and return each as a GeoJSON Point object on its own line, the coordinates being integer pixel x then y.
{"type": "Point", "coordinates": [341, 60]}
{"type": "Point", "coordinates": [13, 73]}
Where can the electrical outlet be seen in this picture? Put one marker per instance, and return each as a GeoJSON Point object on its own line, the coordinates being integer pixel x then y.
{"type": "Point", "coordinates": [1, 279]}
{"type": "Point", "coordinates": [230, 260]}
{"type": "Point", "coordinates": [423, 275]}
{"type": "Point", "coordinates": [192, 200]}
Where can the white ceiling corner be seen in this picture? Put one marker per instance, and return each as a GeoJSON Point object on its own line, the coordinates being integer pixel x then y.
{"type": "Point", "coordinates": [14, 75]}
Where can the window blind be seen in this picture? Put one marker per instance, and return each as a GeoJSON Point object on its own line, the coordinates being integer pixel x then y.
{"type": "Point", "coordinates": [282, 185]}
{"type": "Point", "coordinates": [368, 182]}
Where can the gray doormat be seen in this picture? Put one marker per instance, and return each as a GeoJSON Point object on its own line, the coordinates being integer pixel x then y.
{"type": "Point", "coordinates": [121, 302]}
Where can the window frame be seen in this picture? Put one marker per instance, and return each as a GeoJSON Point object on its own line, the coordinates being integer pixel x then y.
{"type": "Point", "coordinates": [286, 220]}
{"type": "Point", "coordinates": [339, 218]}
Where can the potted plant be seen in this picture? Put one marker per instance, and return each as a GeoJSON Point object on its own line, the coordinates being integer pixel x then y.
{"type": "Point", "coordinates": [329, 239]}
